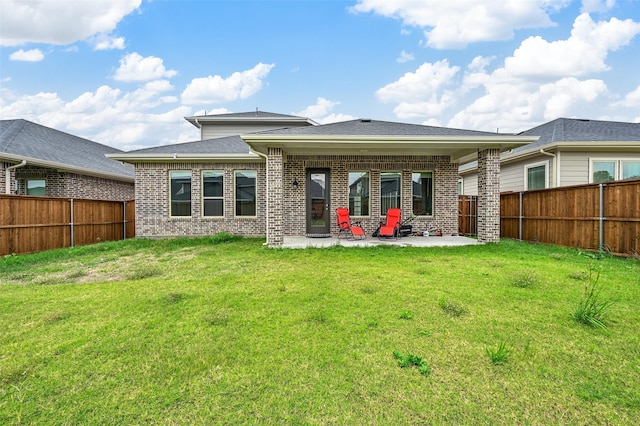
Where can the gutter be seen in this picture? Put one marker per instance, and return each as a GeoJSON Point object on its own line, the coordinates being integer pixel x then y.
{"type": "Point", "coordinates": [554, 177]}
{"type": "Point", "coordinates": [8, 175]}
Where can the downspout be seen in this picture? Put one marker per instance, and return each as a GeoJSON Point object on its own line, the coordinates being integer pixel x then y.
{"type": "Point", "coordinates": [199, 126]}
{"type": "Point", "coordinates": [8, 175]}
{"type": "Point", "coordinates": [554, 176]}
{"type": "Point", "coordinates": [266, 159]}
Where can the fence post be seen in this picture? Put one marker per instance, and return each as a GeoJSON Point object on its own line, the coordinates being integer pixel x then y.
{"type": "Point", "coordinates": [601, 219]}
{"type": "Point", "coordinates": [520, 218]}
{"type": "Point", "coordinates": [124, 220]}
{"type": "Point", "coordinates": [71, 223]}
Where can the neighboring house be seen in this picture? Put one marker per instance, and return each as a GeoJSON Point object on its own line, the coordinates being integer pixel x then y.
{"type": "Point", "coordinates": [38, 160]}
{"type": "Point", "coordinates": [290, 179]}
{"type": "Point", "coordinates": [569, 152]}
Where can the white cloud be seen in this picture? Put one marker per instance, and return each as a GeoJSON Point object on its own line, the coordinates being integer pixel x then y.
{"type": "Point", "coordinates": [589, 6]}
{"type": "Point", "coordinates": [584, 52]}
{"type": "Point", "coordinates": [106, 42]}
{"type": "Point", "coordinates": [33, 55]}
{"type": "Point", "coordinates": [60, 22]}
{"type": "Point", "coordinates": [321, 113]}
{"type": "Point", "coordinates": [125, 120]}
{"type": "Point", "coordinates": [454, 24]}
{"type": "Point", "coordinates": [133, 67]}
{"type": "Point", "coordinates": [421, 93]}
{"type": "Point", "coordinates": [631, 100]}
{"type": "Point", "coordinates": [405, 57]}
{"type": "Point", "coordinates": [216, 89]}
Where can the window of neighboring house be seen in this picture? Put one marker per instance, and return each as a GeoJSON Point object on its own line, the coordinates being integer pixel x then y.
{"type": "Point", "coordinates": [36, 187]}
{"type": "Point", "coordinates": [460, 187]}
{"type": "Point", "coordinates": [213, 193]}
{"type": "Point", "coordinates": [630, 169]}
{"type": "Point", "coordinates": [536, 176]}
{"type": "Point", "coordinates": [603, 170]}
{"type": "Point", "coordinates": [422, 193]}
{"type": "Point", "coordinates": [246, 193]}
{"type": "Point", "coordinates": [180, 193]}
{"type": "Point", "coordinates": [359, 193]}
{"type": "Point", "coordinates": [389, 191]}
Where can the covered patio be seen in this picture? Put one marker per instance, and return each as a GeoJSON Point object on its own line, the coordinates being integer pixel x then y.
{"type": "Point", "coordinates": [411, 241]}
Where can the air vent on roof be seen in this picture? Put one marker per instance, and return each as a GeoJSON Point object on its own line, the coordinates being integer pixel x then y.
{"type": "Point", "coordinates": [365, 120]}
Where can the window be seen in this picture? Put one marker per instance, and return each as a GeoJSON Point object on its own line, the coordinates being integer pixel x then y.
{"type": "Point", "coordinates": [36, 187]}
{"type": "Point", "coordinates": [246, 193]}
{"type": "Point", "coordinates": [630, 169]}
{"type": "Point", "coordinates": [422, 190]}
{"type": "Point", "coordinates": [180, 193]}
{"type": "Point", "coordinates": [389, 191]}
{"type": "Point", "coordinates": [212, 193]}
{"type": "Point", "coordinates": [603, 171]}
{"type": "Point", "coordinates": [359, 193]}
{"type": "Point", "coordinates": [536, 176]}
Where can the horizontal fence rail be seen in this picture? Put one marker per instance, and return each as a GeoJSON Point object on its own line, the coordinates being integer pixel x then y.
{"type": "Point", "coordinates": [34, 224]}
{"type": "Point", "coordinates": [603, 217]}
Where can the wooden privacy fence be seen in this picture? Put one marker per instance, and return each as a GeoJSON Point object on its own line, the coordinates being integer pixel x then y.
{"type": "Point", "coordinates": [596, 217]}
{"type": "Point", "coordinates": [33, 224]}
{"type": "Point", "coordinates": [468, 215]}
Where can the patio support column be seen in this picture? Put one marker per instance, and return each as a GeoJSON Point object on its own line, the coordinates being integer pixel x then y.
{"type": "Point", "coordinates": [489, 196]}
{"type": "Point", "coordinates": [275, 197]}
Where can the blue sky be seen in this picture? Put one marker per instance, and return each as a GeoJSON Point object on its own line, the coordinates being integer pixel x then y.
{"type": "Point", "coordinates": [126, 72]}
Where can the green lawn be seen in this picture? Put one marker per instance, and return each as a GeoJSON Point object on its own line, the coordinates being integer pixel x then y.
{"type": "Point", "coordinates": [224, 331]}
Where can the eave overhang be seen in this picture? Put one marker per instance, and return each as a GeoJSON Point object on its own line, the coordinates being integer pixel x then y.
{"type": "Point", "coordinates": [283, 121]}
{"type": "Point", "coordinates": [459, 148]}
{"type": "Point", "coordinates": [65, 167]}
{"type": "Point", "coordinates": [553, 148]}
{"type": "Point", "coordinates": [163, 158]}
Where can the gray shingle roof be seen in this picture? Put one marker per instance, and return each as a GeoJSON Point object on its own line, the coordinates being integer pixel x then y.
{"type": "Point", "coordinates": [580, 130]}
{"type": "Point", "coordinates": [225, 145]}
{"type": "Point", "coordinates": [376, 127]}
{"type": "Point", "coordinates": [34, 141]}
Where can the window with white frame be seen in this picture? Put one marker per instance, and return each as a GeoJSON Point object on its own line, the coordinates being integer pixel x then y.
{"type": "Point", "coordinates": [359, 193]}
{"type": "Point", "coordinates": [180, 193]}
{"type": "Point", "coordinates": [422, 193]}
{"type": "Point", "coordinates": [390, 191]}
{"type": "Point", "coordinates": [245, 184]}
{"type": "Point", "coordinates": [603, 170]}
{"type": "Point", "coordinates": [535, 176]}
{"type": "Point", "coordinates": [212, 193]}
{"type": "Point", "coordinates": [630, 169]}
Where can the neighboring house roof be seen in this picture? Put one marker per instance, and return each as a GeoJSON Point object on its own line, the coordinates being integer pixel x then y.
{"type": "Point", "coordinates": [572, 133]}
{"type": "Point", "coordinates": [580, 130]}
{"type": "Point", "coordinates": [46, 147]}
{"type": "Point", "coordinates": [250, 117]}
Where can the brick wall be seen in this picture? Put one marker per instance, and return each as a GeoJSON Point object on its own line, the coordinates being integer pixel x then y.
{"type": "Point", "coordinates": [3, 168]}
{"type": "Point", "coordinates": [152, 202]}
{"type": "Point", "coordinates": [72, 185]}
{"type": "Point", "coordinates": [152, 195]}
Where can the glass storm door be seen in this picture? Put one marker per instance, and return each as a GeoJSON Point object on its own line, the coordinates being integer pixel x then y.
{"type": "Point", "coordinates": [318, 209]}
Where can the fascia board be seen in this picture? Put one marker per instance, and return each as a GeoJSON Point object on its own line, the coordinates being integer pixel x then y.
{"type": "Point", "coordinates": [135, 158]}
{"type": "Point", "coordinates": [66, 167]}
{"type": "Point", "coordinates": [256, 120]}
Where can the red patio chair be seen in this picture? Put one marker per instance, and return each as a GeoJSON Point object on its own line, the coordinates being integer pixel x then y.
{"type": "Point", "coordinates": [390, 228]}
{"type": "Point", "coordinates": [352, 230]}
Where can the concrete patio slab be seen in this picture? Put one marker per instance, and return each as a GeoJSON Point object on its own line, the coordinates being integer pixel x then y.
{"type": "Point", "coordinates": [305, 242]}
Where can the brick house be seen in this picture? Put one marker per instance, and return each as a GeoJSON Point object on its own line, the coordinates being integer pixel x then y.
{"type": "Point", "coordinates": [38, 160]}
{"type": "Point", "coordinates": [290, 176]}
